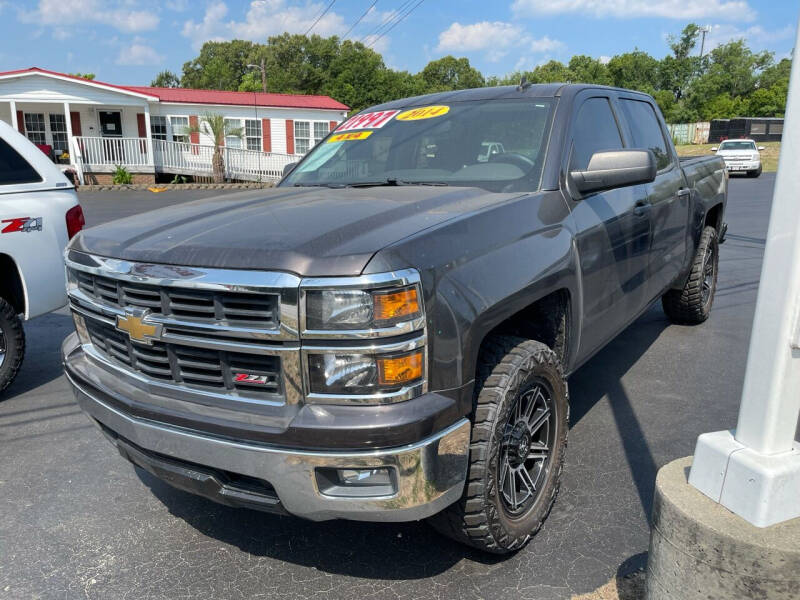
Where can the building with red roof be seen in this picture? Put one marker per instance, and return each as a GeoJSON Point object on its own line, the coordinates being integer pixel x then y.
{"type": "Point", "coordinates": [96, 126]}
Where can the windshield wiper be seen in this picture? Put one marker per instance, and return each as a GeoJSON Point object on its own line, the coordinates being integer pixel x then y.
{"type": "Point", "coordinates": [393, 181]}
{"type": "Point", "coordinates": [327, 185]}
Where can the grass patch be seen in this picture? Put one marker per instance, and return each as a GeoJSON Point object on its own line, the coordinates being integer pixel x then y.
{"type": "Point", "coordinates": [769, 156]}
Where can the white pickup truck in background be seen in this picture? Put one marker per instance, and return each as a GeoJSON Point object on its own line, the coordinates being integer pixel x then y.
{"type": "Point", "coordinates": [740, 156]}
{"type": "Point", "coordinates": [39, 213]}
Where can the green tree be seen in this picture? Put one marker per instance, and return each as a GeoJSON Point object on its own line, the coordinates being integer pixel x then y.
{"type": "Point", "coordinates": [635, 70]}
{"type": "Point", "coordinates": [450, 73]}
{"type": "Point", "coordinates": [166, 79]}
{"type": "Point", "coordinates": [220, 65]}
{"type": "Point", "coordinates": [88, 76]}
{"type": "Point", "coordinates": [213, 124]}
{"type": "Point", "coordinates": [585, 69]}
{"type": "Point", "coordinates": [776, 74]}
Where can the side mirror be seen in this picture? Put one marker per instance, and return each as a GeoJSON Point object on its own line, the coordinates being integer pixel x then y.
{"type": "Point", "coordinates": [761, 148]}
{"type": "Point", "coordinates": [614, 169]}
{"type": "Point", "coordinates": [714, 149]}
{"type": "Point", "coordinates": [289, 168]}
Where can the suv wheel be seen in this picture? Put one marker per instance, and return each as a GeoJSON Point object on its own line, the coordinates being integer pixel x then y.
{"type": "Point", "coordinates": [755, 173]}
{"type": "Point", "coordinates": [692, 304]}
{"type": "Point", "coordinates": [519, 438]}
{"type": "Point", "coordinates": [12, 344]}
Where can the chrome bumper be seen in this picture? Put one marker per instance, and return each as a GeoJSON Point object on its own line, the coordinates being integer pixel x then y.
{"type": "Point", "coordinates": [428, 475]}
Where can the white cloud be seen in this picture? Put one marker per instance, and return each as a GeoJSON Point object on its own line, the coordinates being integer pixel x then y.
{"type": "Point", "coordinates": [604, 59]}
{"type": "Point", "coordinates": [756, 36]}
{"type": "Point", "coordinates": [139, 53]}
{"type": "Point", "coordinates": [61, 13]}
{"type": "Point", "coordinates": [177, 5]}
{"type": "Point", "coordinates": [495, 39]}
{"type": "Point", "coordinates": [263, 19]}
{"type": "Point", "coordinates": [728, 10]}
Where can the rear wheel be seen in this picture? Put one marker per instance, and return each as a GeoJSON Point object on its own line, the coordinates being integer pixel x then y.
{"type": "Point", "coordinates": [517, 448]}
{"type": "Point", "coordinates": [12, 344]}
{"type": "Point", "coordinates": [692, 304]}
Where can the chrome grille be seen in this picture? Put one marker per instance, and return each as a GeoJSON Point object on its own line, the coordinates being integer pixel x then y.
{"type": "Point", "coordinates": [192, 367]}
{"type": "Point", "coordinates": [204, 306]}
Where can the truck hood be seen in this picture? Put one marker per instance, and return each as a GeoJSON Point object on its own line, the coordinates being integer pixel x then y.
{"type": "Point", "coordinates": [738, 153]}
{"type": "Point", "coordinates": [308, 231]}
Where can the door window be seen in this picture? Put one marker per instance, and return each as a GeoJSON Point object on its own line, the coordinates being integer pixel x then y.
{"type": "Point", "coordinates": [14, 168]}
{"type": "Point", "coordinates": [595, 130]}
{"type": "Point", "coordinates": [645, 129]}
{"type": "Point", "coordinates": [111, 123]}
{"type": "Point", "coordinates": [58, 129]}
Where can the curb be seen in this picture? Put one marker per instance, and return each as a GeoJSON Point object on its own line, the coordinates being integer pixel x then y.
{"type": "Point", "coordinates": [175, 186]}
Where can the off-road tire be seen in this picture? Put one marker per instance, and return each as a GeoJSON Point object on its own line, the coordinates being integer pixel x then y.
{"type": "Point", "coordinates": [690, 306]}
{"type": "Point", "coordinates": [508, 366]}
{"type": "Point", "coordinates": [14, 336]}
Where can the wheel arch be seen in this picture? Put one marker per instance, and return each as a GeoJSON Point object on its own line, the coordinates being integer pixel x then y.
{"type": "Point", "coordinates": [12, 287]}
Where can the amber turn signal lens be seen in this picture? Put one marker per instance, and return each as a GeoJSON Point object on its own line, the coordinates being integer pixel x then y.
{"type": "Point", "coordinates": [396, 304]}
{"type": "Point", "coordinates": [400, 369]}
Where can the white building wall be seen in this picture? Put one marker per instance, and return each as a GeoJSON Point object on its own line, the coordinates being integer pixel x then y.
{"type": "Point", "coordinates": [41, 88]}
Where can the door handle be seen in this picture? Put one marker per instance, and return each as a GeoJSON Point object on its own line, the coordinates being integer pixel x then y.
{"type": "Point", "coordinates": [684, 192]}
{"type": "Point", "coordinates": [641, 208]}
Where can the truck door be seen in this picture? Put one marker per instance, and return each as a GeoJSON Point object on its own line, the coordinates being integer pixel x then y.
{"type": "Point", "coordinates": [667, 195]}
{"type": "Point", "coordinates": [612, 230]}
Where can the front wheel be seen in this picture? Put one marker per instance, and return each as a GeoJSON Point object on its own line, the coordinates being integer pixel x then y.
{"type": "Point", "coordinates": [517, 447]}
{"type": "Point", "coordinates": [692, 304]}
{"type": "Point", "coordinates": [755, 173]}
{"type": "Point", "coordinates": [12, 344]}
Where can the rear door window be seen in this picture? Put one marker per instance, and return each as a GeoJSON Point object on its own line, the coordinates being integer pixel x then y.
{"type": "Point", "coordinates": [645, 130]}
{"type": "Point", "coordinates": [595, 130]}
{"type": "Point", "coordinates": [13, 168]}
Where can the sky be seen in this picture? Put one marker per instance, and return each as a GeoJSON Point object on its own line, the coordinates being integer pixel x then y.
{"type": "Point", "coordinates": [130, 41]}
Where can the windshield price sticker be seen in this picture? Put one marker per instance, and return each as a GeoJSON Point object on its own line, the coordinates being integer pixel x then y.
{"type": "Point", "coordinates": [346, 137]}
{"type": "Point", "coordinates": [373, 120]}
{"type": "Point", "coordinates": [425, 112]}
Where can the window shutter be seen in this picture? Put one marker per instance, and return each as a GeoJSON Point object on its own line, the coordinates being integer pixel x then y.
{"type": "Point", "coordinates": [141, 124]}
{"type": "Point", "coordinates": [194, 122]}
{"type": "Point", "coordinates": [266, 135]}
{"type": "Point", "coordinates": [75, 117]}
{"type": "Point", "coordinates": [289, 136]}
{"type": "Point", "coordinates": [21, 122]}
{"type": "Point", "coordinates": [333, 125]}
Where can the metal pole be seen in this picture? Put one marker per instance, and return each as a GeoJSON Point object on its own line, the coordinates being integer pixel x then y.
{"type": "Point", "coordinates": [263, 75]}
{"type": "Point", "coordinates": [752, 471]}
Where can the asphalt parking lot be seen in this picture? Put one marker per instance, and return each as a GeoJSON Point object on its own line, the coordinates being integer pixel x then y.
{"type": "Point", "coordinates": [77, 521]}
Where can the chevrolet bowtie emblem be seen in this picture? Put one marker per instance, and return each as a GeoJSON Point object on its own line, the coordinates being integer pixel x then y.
{"type": "Point", "coordinates": [137, 329]}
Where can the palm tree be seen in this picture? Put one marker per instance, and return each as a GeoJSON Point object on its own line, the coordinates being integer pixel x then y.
{"type": "Point", "coordinates": [213, 124]}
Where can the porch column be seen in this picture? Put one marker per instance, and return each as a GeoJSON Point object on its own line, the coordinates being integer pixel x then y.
{"type": "Point", "coordinates": [14, 123]}
{"type": "Point", "coordinates": [70, 145]}
{"type": "Point", "coordinates": [149, 132]}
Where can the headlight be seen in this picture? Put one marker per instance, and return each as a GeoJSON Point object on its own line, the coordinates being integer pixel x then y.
{"type": "Point", "coordinates": [358, 374]}
{"type": "Point", "coordinates": [342, 310]}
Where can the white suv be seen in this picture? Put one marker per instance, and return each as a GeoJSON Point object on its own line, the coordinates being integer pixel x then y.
{"type": "Point", "coordinates": [741, 156]}
{"type": "Point", "coordinates": [39, 213]}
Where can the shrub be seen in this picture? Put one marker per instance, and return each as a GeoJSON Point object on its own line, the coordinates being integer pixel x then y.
{"type": "Point", "coordinates": [121, 176]}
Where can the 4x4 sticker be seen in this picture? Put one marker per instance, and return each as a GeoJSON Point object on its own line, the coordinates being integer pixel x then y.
{"type": "Point", "coordinates": [23, 224]}
{"type": "Point", "coordinates": [373, 120]}
{"type": "Point", "coordinates": [424, 112]}
{"type": "Point", "coordinates": [352, 135]}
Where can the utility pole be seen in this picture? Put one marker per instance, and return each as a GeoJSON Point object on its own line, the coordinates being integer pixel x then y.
{"type": "Point", "coordinates": [704, 31]}
{"type": "Point", "coordinates": [263, 68]}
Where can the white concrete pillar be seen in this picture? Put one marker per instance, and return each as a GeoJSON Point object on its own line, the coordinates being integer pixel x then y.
{"type": "Point", "coordinates": [755, 471]}
{"type": "Point", "coordinates": [14, 122]}
{"type": "Point", "coordinates": [150, 156]}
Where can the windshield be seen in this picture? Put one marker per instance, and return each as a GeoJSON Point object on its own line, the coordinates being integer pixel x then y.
{"type": "Point", "coordinates": [496, 145]}
{"type": "Point", "coordinates": [737, 146]}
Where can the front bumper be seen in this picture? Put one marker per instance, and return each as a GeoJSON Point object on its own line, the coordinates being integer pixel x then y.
{"type": "Point", "coordinates": [736, 166]}
{"type": "Point", "coordinates": [427, 476]}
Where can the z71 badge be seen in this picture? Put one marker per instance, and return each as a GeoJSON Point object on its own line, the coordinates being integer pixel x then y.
{"type": "Point", "coordinates": [23, 224]}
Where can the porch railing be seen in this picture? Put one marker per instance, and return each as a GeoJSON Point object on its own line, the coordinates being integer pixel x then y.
{"type": "Point", "coordinates": [181, 158]}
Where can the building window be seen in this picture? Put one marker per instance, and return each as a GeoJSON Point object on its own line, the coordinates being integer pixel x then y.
{"type": "Point", "coordinates": [302, 137]}
{"type": "Point", "coordinates": [180, 127]}
{"type": "Point", "coordinates": [34, 128]}
{"type": "Point", "coordinates": [776, 127]}
{"type": "Point", "coordinates": [758, 128]}
{"type": "Point", "coordinates": [233, 133]}
{"type": "Point", "coordinates": [321, 129]}
{"type": "Point", "coordinates": [252, 134]}
{"type": "Point", "coordinates": [58, 130]}
{"type": "Point", "coordinates": [158, 128]}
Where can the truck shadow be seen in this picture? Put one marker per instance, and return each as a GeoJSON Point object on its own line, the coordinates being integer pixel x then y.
{"type": "Point", "coordinates": [406, 551]}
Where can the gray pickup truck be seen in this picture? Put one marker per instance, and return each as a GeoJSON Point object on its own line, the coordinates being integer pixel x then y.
{"type": "Point", "coordinates": [387, 334]}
